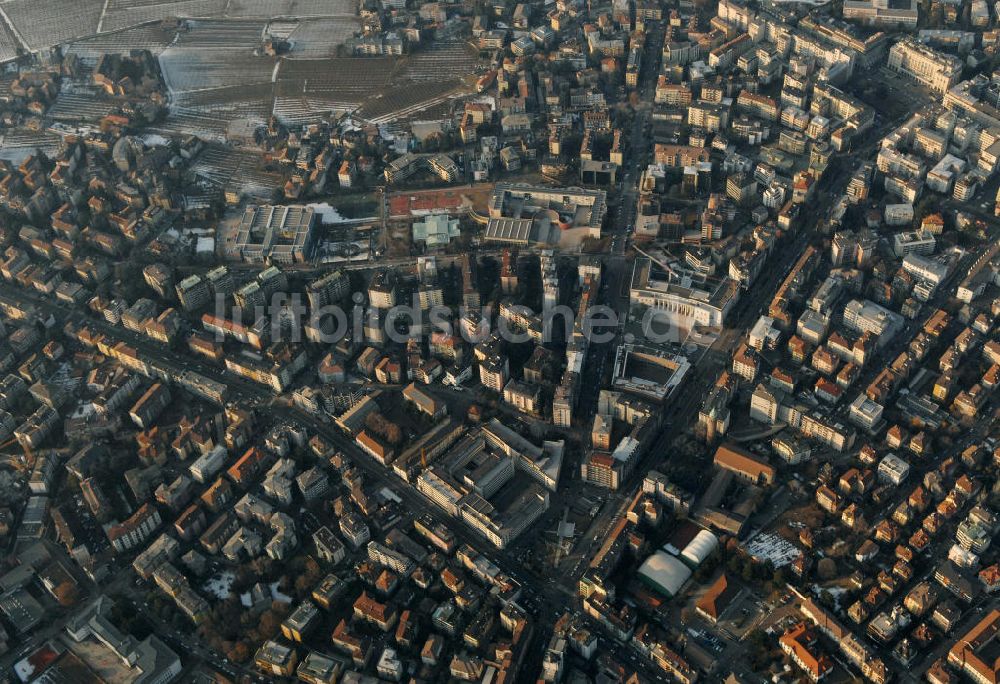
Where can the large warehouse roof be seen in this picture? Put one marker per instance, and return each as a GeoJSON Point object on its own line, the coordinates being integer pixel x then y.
{"type": "Point", "coordinates": [700, 548]}
{"type": "Point", "coordinates": [664, 573]}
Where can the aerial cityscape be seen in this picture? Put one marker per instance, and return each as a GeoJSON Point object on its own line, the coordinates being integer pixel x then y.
{"type": "Point", "coordinates": [552, 341]}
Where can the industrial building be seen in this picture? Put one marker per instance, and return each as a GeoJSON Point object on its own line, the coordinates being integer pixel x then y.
{"type": "Point", "coordinates": [274, 234]}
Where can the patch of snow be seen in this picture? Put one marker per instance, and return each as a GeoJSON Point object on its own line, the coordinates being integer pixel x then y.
{"type": "Point", "coordinates": [277, 595]}
{"type": "Point", "coordinates": [770, 547]}
{"type": "Point", "coordinates": [221, 585]}
{"type": "Point", "coordinates": [24, 669]}
{"type": "Point", "coordinates": [206, 245]}
{"type": "Point", "coordinates": [330, 215]}
{"type": "Point", "coordinates": [154, 140]}
{"type": "Point", "coordinates": [836, 592]}
{"type": "Point", "coordinates": [390, 495]}
{"type": "Point", "coordinates": [326, 213]}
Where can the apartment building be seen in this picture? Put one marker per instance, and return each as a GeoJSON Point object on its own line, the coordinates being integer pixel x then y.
{"type": "Point", "coordinates": [934, 69]}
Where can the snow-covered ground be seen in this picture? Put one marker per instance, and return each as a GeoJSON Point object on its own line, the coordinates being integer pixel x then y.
{"type": "Point", "coordinates": [329, 215]}
{"type": "Point", "coordinates": [278, 596]}
{"type": "Point", "coordinates": [154, 140]}
{"type": "Point", "coordinates": [221, 585]}
{"type": "Point", "coordinates": [837, 593]}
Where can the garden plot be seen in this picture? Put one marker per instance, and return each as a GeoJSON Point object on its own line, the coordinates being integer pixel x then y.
{"type": "Point", "coordinates": [44, 24]}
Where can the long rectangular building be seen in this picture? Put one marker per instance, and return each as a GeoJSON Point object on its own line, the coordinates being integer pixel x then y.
{"type": "Point", "coordinates": [685, 302]}
{"type": "Point", "coordinates": [520, 214]}
{"type": "Point", "coordinates": [279, 234]}
{"type": "Point", "coordinates": [934, 69]}
{"type": "Point", "coordinates": [976, 652]}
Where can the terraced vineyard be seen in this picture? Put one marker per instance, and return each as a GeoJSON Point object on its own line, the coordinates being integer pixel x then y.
{"type": "Point", "coordinates": [238, 100]}
{"type": "Point", "coordinates": [9, 43]}
{"type": "Point", "coordinates": [182, 122]}
{"type": "Point", "coordinates": [43, 24]}
{"type": "Point", "coordinates": [81, 103]}
{"type": "Point", "coordinates": [94, 25]}
{"type": "Point", "coordinates": [424, 80]}
{"type": "Point", "coordinates": [236, 169]}
{"type": "Point", "coordinates": [153, 37]}
{"type": "Point", "coordinates": [212, 67]}
{"type": "Point", "coordinates": [231, 37]}
{"type": "Point", "coordinates": [19, 143]}
{"type": "Point", "coordinates": [403, 100]}
{"type": "Point", "coordinates": [440, 60]}
{"type": "Point", "coordinates": [125, 13]}
{"type": "Point", "coordinates": [341, 82]}
{"type": "Point", "coordinates": [200, 69]}
{"type": "Point", "coordinates": [315, 38]}
{"type": "Point", "coordinates": [290, 8]}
